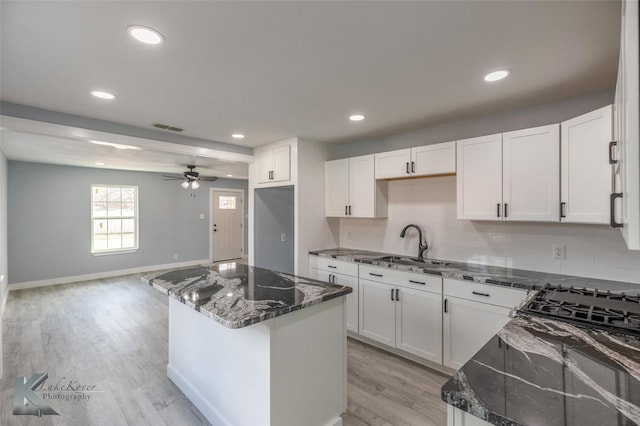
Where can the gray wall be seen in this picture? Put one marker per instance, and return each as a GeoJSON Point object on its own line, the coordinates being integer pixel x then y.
{"type": "Point", "coordinates": [3, 242]}
{"type": "Point", "coordinates": [274, 215]}
{"type": "Point", "coordinates": [49, 220]}
{"type": "Point", "coordinates": [537, 115]}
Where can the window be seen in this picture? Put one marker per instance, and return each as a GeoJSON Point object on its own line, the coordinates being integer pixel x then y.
{"type": "Point", "coordinates": [114, 218]}
{"type": "Point", "coordinates": [227, 203]}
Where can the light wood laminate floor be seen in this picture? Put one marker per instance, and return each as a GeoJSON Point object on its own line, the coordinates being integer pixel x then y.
{"type": "Point", "coordinates": [112, 333]}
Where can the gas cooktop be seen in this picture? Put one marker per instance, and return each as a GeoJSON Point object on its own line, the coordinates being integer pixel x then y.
{"type": "Point", "coordinates": [614, 312]}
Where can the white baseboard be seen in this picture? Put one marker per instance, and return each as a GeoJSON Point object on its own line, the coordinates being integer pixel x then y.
{"type": "Point", "coordinates": [196, 398]}
{"type": "Point", "coordinates": [100, 275]}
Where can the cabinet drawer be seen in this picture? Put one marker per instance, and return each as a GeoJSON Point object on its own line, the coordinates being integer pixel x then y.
{"type": "Point", "coordinates": [337, 266]}
{"type": "Point", "coordinates": [485, 293]}
{"type": "Point", "coordinates": [431, 283]}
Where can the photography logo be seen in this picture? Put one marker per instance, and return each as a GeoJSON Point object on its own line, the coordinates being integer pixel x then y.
{"type": "Point", "coordinates": [28, 403]}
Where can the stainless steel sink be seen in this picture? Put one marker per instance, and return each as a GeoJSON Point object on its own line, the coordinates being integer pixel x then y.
{"type": "Point", "coordinates": [412, 261]}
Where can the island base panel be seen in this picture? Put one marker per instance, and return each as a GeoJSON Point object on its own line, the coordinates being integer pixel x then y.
{"type": "Point", "coordinates": [290, 370]}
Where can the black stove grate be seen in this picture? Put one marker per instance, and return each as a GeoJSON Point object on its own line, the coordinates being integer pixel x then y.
{"type": "Point", "coordinates": [615, 312]}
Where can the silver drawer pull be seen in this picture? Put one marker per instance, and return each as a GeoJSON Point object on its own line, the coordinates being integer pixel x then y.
{"type": "Point", "coordinates": [332, 267]}
{"type": "Point", "coordinates": [417, 282]}
{"type": "Point", "coordinates": [375, 275]}
{"type": "Point", "coordinates": [477, 293]}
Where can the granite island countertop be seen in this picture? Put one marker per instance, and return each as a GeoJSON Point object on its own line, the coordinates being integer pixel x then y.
{"type": "Point", "coordinates": [538, 371]}
{"type": "Point", "coordinates": [475, 272]}
{"type": "Point", "coordinates": [237, 295]}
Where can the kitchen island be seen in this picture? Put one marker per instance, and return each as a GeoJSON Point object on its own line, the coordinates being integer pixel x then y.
{"type": "Point", "coordinates": [250, 346]}
{"type": "Point", "coordinates": [539, 371]}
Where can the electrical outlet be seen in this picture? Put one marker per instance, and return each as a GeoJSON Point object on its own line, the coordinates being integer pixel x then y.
{"type": "Point", "coordinates": [559, 251]}
{"type": "Point", "coordinates": [283, 237]}
{"type": "Point", "coordinates": [201, 215]}
{"type": "Point", "coordinates": [175, 256]}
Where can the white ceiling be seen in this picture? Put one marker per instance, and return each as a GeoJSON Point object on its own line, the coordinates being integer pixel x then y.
{"type": "Point", "coordinates": [274, 70]}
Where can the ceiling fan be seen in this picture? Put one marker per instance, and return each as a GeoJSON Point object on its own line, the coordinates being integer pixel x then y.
{"type": "Point", "coordinates": [190, 178]}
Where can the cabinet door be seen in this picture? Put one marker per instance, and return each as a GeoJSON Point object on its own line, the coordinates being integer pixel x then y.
{"type": "Point", "coordinates": [362, 186]}
{"type": "Point", "coordinates": [264, 161]}
{"type": "Point", "coordinates": [467, 326]}
{"type": "Point", "coordinates": [281, 164]}
{"type": "Point", "coordinates": [479, 178]}
{"type": "Point", "coordinates": [434, 159]}
{"type": "Point", "coordinates": [628, 102]}
{"type": "Point", "coordinates": [585, 170]}
{"type": "Point", "coordinates": [352, 299]}
{"type": "Point", "coordinates": [393, 164]}
{"type": "Point", "coordinates": [377, 312]}
{"type": "Point", "coordinates": [531, 174]}
{"type": "Point", "coordinates": [336, 190]}
{"type": "Point", "coordinates": [419, 323]}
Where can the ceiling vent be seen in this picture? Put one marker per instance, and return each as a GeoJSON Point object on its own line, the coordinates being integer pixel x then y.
{"type": "Point", "coordinates": [167, 127]}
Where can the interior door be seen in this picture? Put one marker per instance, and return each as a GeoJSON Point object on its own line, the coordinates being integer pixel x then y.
{"type": "Point", "coordinates": [227, 225]}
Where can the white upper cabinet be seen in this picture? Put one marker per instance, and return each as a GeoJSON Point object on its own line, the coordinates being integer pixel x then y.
{"type": "Point", "coordinates": [510, 176]}
{"type": "Point", "coordinates": [627, 131]}
{"type": "Point", "coordinates": [393, 164]}
{"type": "Point", "coordinates": [274, 165]}
{"type": "Point", "coordinates": [425, 160]}
{"type": "Point", "coordinates": [530, 174]}
{"type": "Point", "coordinates": [585, 169]}
{"type": "Point", "coordinates": [436, 159]}
{"type": "Point", "coordinates": [479, 178]}
{"type": "Point", "coordinates": [336, 187]}
{"type": "Point", "coordinates": [351, 189]}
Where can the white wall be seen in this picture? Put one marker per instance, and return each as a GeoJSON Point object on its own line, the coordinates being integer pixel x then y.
{"type": "Point", "coordinates": [592, 250]}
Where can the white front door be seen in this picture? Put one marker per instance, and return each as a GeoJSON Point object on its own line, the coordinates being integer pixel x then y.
{"type": "Point", "coordinates": [226, 230]}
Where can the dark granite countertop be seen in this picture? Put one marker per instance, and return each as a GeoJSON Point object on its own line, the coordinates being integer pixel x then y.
{"type": "Point", "coordinates": [517, 278]}
{"type": "Point", "coordinates": [236, 295]}
{"type": "Point", "coordinates": [538, 371]}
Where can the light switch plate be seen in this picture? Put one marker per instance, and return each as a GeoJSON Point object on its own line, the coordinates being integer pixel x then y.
{"type": "Point", "coordinates": [201, 215]}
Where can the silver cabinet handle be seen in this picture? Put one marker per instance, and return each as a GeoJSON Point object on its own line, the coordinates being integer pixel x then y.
{"type": "Point", "coordinates": [417, 282]}
{"type": "Point", "coordinates": [477, 293]}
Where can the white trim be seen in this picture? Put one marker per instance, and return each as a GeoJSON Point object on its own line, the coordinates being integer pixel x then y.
{"type": "Point", "coordinates": [242, 218]}
{"type": "Point", "coordinates": [106, 274]}
{"type": "Point", "coordinates": [5, 296]}
{"type": "Point", "coordinates": [116, 251]}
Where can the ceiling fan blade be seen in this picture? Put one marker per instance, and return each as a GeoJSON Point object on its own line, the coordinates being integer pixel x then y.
{"type": "Point", "coordinates": [173, 178]}
{"type": "Point", "coordinates": [209, 179]}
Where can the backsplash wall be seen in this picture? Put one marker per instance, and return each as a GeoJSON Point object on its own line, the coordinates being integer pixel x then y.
{"type": "Point", "coordinates": [591, 250]}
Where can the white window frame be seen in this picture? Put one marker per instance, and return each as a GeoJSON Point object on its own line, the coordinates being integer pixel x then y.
{"type": "Point", "coordinates": [100, 252]}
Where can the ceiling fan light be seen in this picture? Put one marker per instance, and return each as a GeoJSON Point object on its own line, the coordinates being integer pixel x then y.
{"type": "Point", "coordinates": [195, 185]}
{"type": "Point", "coordinates": [185, 184]}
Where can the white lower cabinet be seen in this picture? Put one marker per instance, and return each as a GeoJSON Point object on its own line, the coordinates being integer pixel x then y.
{"type": "Point", "coordinates": [402, 310]}
{"type": "Point", "coordinates": [326, 270]}
{"type": "Point", "coordinates": [472, 314]}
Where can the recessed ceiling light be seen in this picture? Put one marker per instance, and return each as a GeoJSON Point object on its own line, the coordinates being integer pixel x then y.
{"type": "Point", "coordinates": [497, 75]}
{"type": "Point", "coordinates": [145, 35]}
{"type": "Point", "coordinates": [356, 117]}
{"type": "Point", "coordinates": [99, 164]}
{"type": "Point", "coordinates": [237, 136]}
{"type": "Point", "coordinates": [229, 175]}
{"type": "Point", "coordinates": [115, 145]}
{"type": "Point", "coordinates": [103, 95]}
